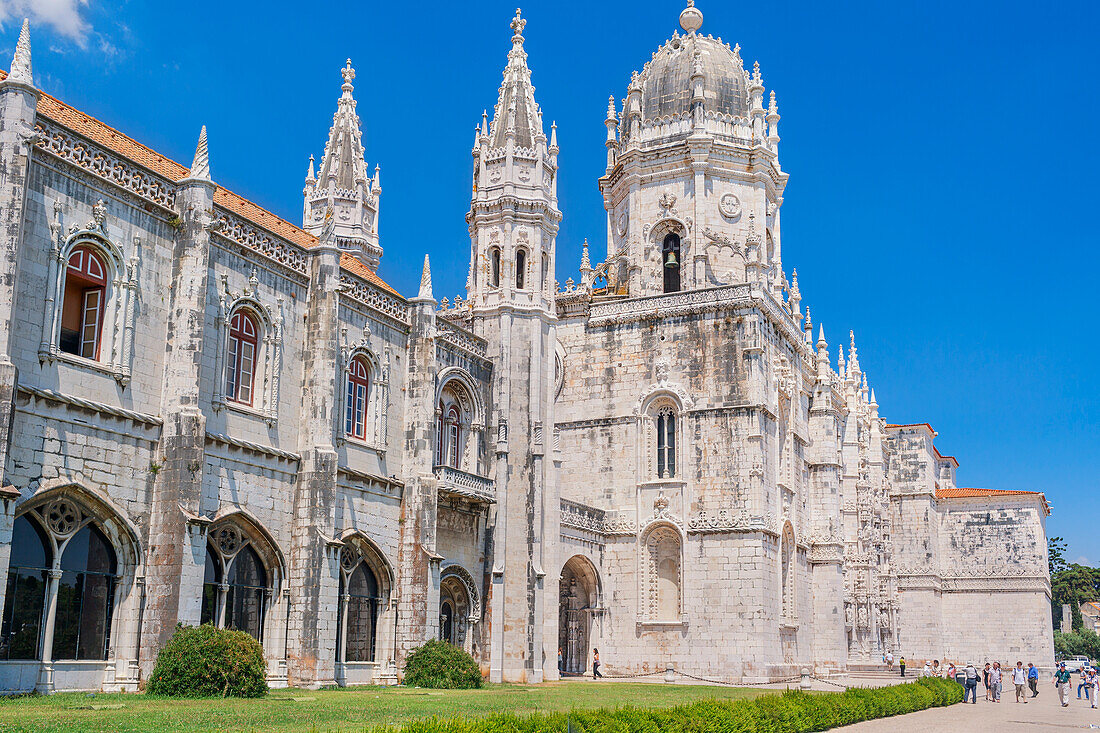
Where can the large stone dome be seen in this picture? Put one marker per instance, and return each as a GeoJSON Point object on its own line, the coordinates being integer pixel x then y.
{"type": "Point", "coordinates": [666, 79]}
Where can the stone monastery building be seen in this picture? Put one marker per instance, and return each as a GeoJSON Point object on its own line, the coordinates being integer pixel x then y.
{"type": "Point", "coordinates": [209, 414]}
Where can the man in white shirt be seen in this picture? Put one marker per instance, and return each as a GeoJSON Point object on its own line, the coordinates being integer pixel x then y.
{"type": "Point", "coordinates": [995, 681]}
{"type": "Point", "coordinates": [1019, 678]}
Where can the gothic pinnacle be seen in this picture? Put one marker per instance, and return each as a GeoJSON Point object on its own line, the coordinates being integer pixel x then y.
{"type": "Point", "coordinates": [586, 264]}
{"type": "Point", "coordinates": [21, 63]}
{"type": "Point", "coordinates": [310, 175]}
{"type": "Point", "coordinates": [821, 344]}
{"type": "Point", "coordinates": [554, 134]}
{"type": "Point", "coordinates": [200, 166]}
{"type": "Point", "coordinates": [426, 281]}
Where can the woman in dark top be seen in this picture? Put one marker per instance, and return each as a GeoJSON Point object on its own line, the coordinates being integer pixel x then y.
{"type": "Point", "coordinates": [596, 664]}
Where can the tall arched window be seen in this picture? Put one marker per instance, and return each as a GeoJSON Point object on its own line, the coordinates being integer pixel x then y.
{"type": "Point", "coordinates": [83, 304]}
{"type": "Point", "coordinates": [545, 270]}
{"type": "Point", "coordinates": [662, 573]}
{"type": "Point", "coordinates": [454, 427]}
{"type": "Point", "coordinates": [246, 596]}
{"type": "Point", "coordinates": [494, 267]}
{"type": "Point", "coordinates": [237, 584]}
{"type": "Point", "coordinates": [357, 614]}
{"type": "Point", "coordinates": [358, 391]}
{"type": "Point", "coordinates": [786, 572]}
{"type": "Point", "coordinates": [440, 436]}
{"type": "Point", "coordinates": [31, 559]}
{"type": "Point", "coordinates": [240, 368]}
{"type": "Point", "coordinates": [666, 443]}
{"type": "Point", "coordinates": [670, 261]}
{"type": "Point", "coordinates": [521, 268]}
{"type": "Point", "coordinates": [85, 597]}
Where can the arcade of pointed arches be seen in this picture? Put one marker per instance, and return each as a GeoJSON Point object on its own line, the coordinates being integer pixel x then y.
{"type": "Point", "coordinates": [579, 602]}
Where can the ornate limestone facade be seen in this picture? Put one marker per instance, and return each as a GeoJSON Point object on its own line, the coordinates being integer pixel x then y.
{"type": "Point", "coordinates": [209, 414]}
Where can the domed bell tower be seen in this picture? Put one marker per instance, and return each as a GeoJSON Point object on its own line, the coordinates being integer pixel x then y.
{"type": "Point", "coordinates": [693, 184]}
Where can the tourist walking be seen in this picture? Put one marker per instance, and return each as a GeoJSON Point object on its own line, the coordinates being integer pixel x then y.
{"type": "Point", "coordinates": [1019, 678]}
{"type": "Point", "coordinates": [890, 660]}
{"type": "Point", "coordinates": [1061, 681]}
{"type": "Point", "coordinates": [1082, 684]}
{"type": "Point", "coordinates": [1094, 681]}
{"type": "Point", "coordinates": [970, 685]}
{"type": "Point", "coordinates": [995, 679]}
{"type": "Point", "coordinates": [986, 681]}
{"type": "Point", "coordinates": [561, 662]}
{"type": "Point", "coordinates": [1033, 679]}
{"type": "Point", "coordinates": [901, 663]}
{"type": "Point", "coordinates": [596, 664]}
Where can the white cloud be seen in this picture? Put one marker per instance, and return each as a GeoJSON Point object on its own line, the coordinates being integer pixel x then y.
{"type": "Point", "coordinates": [64, 16]}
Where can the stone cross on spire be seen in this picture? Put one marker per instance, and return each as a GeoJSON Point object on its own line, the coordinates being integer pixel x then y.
{"type": "Point", "coordinates": [517, 26]}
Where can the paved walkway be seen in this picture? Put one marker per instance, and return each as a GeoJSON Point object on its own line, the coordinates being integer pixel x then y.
{"type": "Point", "coordinates": [1042, 713]}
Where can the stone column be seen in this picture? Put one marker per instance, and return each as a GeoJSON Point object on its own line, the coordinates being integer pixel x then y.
{"type": "Point", "coordinates": [314, 557]}
{"type": "Point", "coordinates": [18, 109]}
{"type": "Point", "coordinates": [175, 561]}
{"type": "Point", "coordinates": [418, 563]}
{"type": "Point", "coordinates": [45, 674]}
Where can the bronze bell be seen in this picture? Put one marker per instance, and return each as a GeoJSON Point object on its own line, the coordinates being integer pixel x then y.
{"type": "Point", "coordinates": [671, 262]}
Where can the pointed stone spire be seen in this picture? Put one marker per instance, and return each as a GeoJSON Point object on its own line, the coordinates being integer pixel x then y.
{"type": "Point", "coordinates": [554, 137]}
{"type": "Point", "coordinates": [853, 355]}
{"type": "Point", "coordinates": [200, 166]}
{"type": "Point", "coordinates": [840, 369]}
{"type": "Point", "coordinates": [484, 123]}
{"type": "Point", "coordinates": [821, 344]}
{"type": "Point", "coordinates": [426, 282]}
{"type": "Point", "coordinates": [516, 112]}
{"type": "Point", "coordinates": [586, 264]}
{"type": "Point", "coordinates": [310, 175]}
{"type": "Point", "coordinates": [376, 181]}
{"type": "Point", "coordinates": [21, 63]}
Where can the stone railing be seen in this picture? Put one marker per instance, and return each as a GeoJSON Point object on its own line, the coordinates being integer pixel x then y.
{"type": "Point", "coordinates": [582, 516]}
{"type": "Point", "coordinates": [459, 337]}
{"type": "Point", "coordinates": [456, 482]}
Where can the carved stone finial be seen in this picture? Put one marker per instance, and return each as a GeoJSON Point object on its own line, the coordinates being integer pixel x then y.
{"type": "Point", "coordinates": [517, 26]}
{"type": "Point", "coordinates": [99, 215]}
{"type": "Point", "coordinates": [426, 281]}
{"type": "Point", "coordinates": [200, 166]}
{"type": "Point", "coordinates": [21, 63]}
{"type": "Point", "coordinates": [348, 73]}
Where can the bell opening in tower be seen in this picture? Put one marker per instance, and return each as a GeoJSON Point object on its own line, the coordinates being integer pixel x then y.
{"type": "Point", "coordinates": [670, 257]}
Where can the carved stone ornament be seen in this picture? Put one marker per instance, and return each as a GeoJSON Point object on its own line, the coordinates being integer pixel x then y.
{"type": "Point", "coordinates": [623, 220]}
{"type": "Point", "coordinates": [667, 201]}
{"type": "Point", "coordinates": [62, 517]}
{"type": "Point", "coordinates": [730, 206]}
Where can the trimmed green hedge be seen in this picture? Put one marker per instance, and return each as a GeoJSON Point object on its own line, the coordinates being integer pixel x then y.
{"type": "Point", "coordinates": [789, 712]}
{"type": "Point", "coordinates": [204, 661]}
{"type": "Point", "coordinates": [440, 665]}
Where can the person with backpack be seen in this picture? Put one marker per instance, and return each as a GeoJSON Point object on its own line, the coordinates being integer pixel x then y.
{"type": "Point", "coordinates": [1019, 678]}
{"type": "Point", "coordinates": [970, 686]}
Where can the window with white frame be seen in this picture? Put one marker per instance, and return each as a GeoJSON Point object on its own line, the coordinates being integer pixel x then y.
{"type": "Point", "coordinates": [84, 300]}
{"type": "Point", "coordinates": [240, 365]}
{"type": "Point", "coordinates": [666, 442]}
{"type": "Point", "coordinates": [357, 398]}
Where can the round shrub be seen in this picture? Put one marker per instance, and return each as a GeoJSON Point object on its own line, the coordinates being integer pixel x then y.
{"type": "Point", "coordinates": [440, 665]}
{"type": "Point", "coordinates": [205, 661]}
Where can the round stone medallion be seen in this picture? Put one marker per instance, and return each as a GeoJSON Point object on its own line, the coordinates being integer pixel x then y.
{"type": "Point", "coordinates": [730, 206]}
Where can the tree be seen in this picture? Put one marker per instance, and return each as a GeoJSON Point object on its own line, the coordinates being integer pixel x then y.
{"type": "Point", "coordinates": [1075, 585]}
{"type": "Point", "coordinates": [1056, 553]}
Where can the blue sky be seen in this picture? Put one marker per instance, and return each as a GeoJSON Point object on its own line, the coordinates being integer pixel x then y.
{"type": "Point", "coordinates": [942, 157]}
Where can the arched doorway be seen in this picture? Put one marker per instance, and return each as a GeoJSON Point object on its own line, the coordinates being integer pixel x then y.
{"type": "Point", "coordinates": [578, 598]}
{"type": "Point", "coordinates": [459, 608]}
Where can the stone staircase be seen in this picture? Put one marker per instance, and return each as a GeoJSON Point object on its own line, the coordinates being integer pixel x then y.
{"type": "Point", "coordinates": [878, 670]}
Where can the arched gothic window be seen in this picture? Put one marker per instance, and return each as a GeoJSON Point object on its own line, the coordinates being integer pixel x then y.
{"type": "Point", "coordinates": [494, 267]}
{"type": "Point", "coordinates": [358, 392]}
{"type": "Point", "coordinates": [666, 443]}
{"type": "Point", "coordinates": [521, 268]}
{"type": "Point", "coordinates": [440, 436]}
{"type": "Point", "coordinates": [454, 428]}
{"type": "Point", "coordinates": [545, 270]}
{"type": "Point", "coordinates": [237, 585]}
{"type": "Point", "coordinates": [83, 304]}
{"type": "Point", "coordinates": [81, 576]}
{"type": "Point", "coordinates": [31, 560]}
{"type": "Point", "coordinates": [357, 614]}
{"type": "Point", "coordinates": [662, 591]}
{"type": "Point", "coordinates": [786, 572]}
{"type": "Point", "coordinates": [240, 367]}
{"type": "Point", "coordinates": [670, 262]}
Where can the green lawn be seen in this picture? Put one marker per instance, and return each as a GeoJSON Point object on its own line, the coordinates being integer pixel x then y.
{"type": "Point", "coordinates": [331, 710]}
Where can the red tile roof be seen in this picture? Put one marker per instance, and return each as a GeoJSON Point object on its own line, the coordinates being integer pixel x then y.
{"type": "Point", "coordinates": [970, 493]}
{"type": "Point", "coordinates": [110, 138]}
